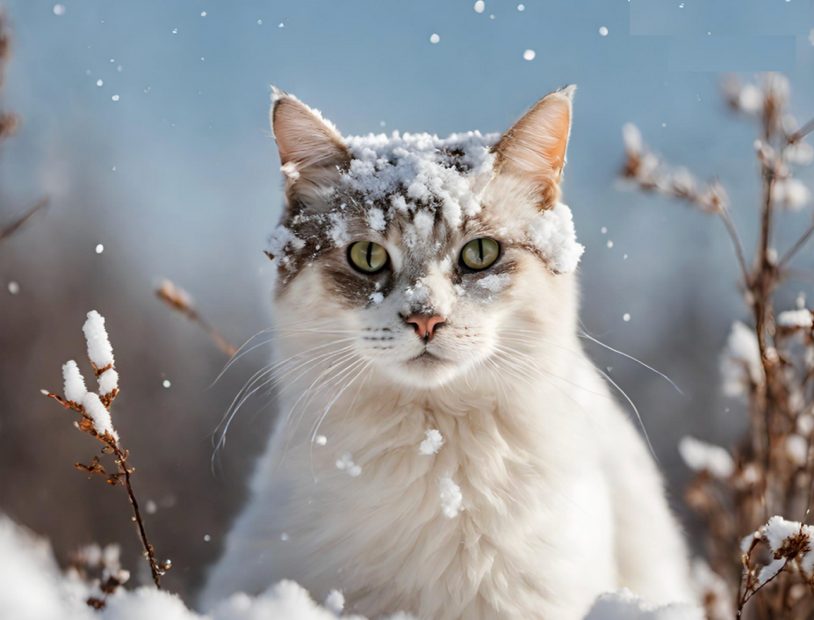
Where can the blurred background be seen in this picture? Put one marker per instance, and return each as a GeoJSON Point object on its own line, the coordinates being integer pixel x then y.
{"type": "Point", "coordinates": [145, 123]}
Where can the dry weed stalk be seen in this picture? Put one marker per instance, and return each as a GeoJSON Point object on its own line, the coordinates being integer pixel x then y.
{"type": "Point", "coordinates": [9, 123]}
{"type": "Point", "coordinates": [181, 301]}
{"type": "Point", "coordinates": [769, 365]}
{"type": "Point", "coordinates": [95, 421]}
{"type": "Point", "coordinates": [100, 569]}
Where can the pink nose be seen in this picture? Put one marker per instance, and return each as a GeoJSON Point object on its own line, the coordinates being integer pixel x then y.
{"type": "Point", "coordinates": [425, 325]}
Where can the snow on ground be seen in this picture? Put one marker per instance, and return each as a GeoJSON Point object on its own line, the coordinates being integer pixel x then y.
{"type": "Point", "coordinates": [35, 589]}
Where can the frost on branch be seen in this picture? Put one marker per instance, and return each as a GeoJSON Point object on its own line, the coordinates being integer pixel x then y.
{"type": "Point", "coordinates": [100, 351]}
{"type": "Point", "coordinates": [741, 367]}
{"type": "Point", "coordinates": [95, 420]}
{"type": "Point", "coordinates": [702, 456]}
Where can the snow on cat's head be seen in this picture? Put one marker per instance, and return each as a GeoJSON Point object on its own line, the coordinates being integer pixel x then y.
{"type": "Point", "coordinates": [424, 255]}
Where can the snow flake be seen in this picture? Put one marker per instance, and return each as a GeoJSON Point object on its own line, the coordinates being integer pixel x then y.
{"type": "Point", "coordinates": [375, 219]}
{"type": "Point", "coordinates": [451, 498]}
{"type": "Point", "coordinates": [529, 55]}
{"type": "Point", "coordinates": [434, 38]}
{"type": "Point", "coordinates": [480, 5]}
{"type": "Point", "coordinates": [432, 444]}
{"type": "Point", "coordinates": [495, 283]}
{"type": "Point", "coordinates": [59, 9]}
{"type": "Point", "coordinates": [376, 297]}
{"type": "Point", "coordinates": [13, 287]}
{"type": "Point", "coordinates": [603, 31]}
{"type": "Point", "coordinates": [335, 601]}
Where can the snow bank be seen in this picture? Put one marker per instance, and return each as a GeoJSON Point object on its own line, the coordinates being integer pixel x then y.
{"type": "Point", "coordinates": [34, 588]}
{"type": "Point", "coordinates": [624, 605]}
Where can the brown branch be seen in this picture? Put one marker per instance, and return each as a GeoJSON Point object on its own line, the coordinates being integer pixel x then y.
{"type": "Point", "coordinates": [16, 225]}
{"type": "Point", "coordinates": [180, 301]}
{"type": "Point", "coordinates": [796, 247]}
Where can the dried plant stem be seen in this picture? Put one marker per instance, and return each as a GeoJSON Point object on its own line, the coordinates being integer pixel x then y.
{"type": "Point", "coordinates": [149, 551]}
{"type": "Point", "coordinates": [736, 243]}
{"type": "Point", "coordinates": [15, 226]}
{"type": "Point", "coordinates": [796, 247]}
{"type": "Point", "coordinates": [121, 477]}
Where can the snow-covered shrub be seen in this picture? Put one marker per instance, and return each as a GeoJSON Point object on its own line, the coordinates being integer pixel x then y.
{"type": "Point", "coordinates": [768, 363]}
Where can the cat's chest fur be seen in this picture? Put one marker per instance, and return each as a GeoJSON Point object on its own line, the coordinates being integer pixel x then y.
{"type": "Point", "coordinates": [535, 529]}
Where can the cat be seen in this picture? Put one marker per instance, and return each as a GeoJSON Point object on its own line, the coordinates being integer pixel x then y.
{"type": "Point", "coordinates": [444, 447]}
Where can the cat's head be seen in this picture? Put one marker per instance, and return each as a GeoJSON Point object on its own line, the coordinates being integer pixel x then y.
{"type": "Point", "coordinates": [424, 256]}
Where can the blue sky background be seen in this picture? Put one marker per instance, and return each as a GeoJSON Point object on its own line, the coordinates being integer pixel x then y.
{"type": "Point", "coordinates": [179, 177]}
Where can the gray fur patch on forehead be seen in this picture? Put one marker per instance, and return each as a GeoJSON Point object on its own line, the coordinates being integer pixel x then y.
{"type": "Point", "coordinates": [410, 171]}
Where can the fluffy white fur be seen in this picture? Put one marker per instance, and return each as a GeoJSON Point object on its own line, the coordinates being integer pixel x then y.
{"type": "Point", "coordinates": [561, 499]}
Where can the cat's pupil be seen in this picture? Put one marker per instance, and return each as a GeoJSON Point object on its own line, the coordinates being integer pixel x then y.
{"type": "Point", "coordinates": [369, 254]}
{"type": "Point", "coordinates": [480, 249]}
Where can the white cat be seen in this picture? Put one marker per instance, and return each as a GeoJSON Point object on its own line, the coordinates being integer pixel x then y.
{"type": "Point", "coordinates": [428, 284]}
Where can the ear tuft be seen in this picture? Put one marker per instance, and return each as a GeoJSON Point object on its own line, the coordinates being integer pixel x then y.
{"type": "Point", "coordinates": [535, 147]}
{"type": "Point", "coordinates": [310, 147]}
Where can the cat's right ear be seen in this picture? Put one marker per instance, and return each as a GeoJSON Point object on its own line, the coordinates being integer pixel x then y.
{"type": "Point", "coordinates": [312, 151]}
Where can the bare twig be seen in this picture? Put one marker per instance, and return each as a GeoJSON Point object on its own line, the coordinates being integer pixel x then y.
{"type": "Point", "coordinates": [796, 247]}
{"type": "Point", "coordinates": [21, 221]}
{"type": "Point", "coordinates": [180, 301]}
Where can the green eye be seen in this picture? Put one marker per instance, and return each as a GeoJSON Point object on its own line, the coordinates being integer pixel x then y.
{"type": "Point", "coordinates": [480, 254]}
{"type": "Point", "coordinates": [367, 257]}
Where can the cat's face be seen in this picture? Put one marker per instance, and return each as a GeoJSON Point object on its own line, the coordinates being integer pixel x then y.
{"type": "Point", "coordinates": [425, 256]}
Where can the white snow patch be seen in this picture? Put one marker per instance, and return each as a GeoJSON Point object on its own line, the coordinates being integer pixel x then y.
{"type": "Point", "coordinates": [376, 297]}
{"type": "Point", "coordinates": [339, 231]}
{"type": "Point", "coordinates": [740, 363]}
{"type": "Point", "coordinates": [100, 350]}
{"type": "Point", "coordinates": [451, 498]}
{"type": "Point", "coordinates": [795, 318]}
{"type": "Point", "coordinates": [335, 601]}
{"type": "Point", "coordinates": [432, 444]}
{"type": "Point", "coordinates": [529, 54]}
{"type": "Point", "coordinates": [75, 389]}
{"type": "Point", "coordinates": [624, 605]}
{"type": "Point", "coordinates": [108, 381]}
{"type": "Point", "coordinates": [495, 283]}
{"type": "Point", "coordinates": [553, 234]}
{"type": "Point", "coordinates": [699, 455]}
{"type": "Point", "coordinates": [290, 171]}
{"type": "Point", "coordinates": [791, 193]}
{"type": "Point", "coordinates": [283, 240]}
{"type": "Point", "coordinates": [98, 414]}
{"type": "Point", "coordinates": [375, 219]}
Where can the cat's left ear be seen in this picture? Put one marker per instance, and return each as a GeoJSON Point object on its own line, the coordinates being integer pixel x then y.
{"type": "Point", "coordinates": [534, 148]}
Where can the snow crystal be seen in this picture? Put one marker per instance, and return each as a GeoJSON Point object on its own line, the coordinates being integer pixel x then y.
{"type": "Point", "coordinates": [520, 7]}
{"type": "Point", "coordinates": [603, 31]}
{"type": "Point", "coordinates": [529, 54]}
{"type": "Point", "coordinates": [553, 235]}
{"type": "Point", "coordinates": [166, 383]}
{"type": "Point", "coordinates": [495, 282]}
{"type": "Point", "coordinates": [335, 601]}
{"type": "Point", "coordinates": [699, 455]}
{"type": "Point", "coordinates": [98, 414]}
{"type": "Point", "coordinates": [451, 498]}
{"type": "Point", "coordinates": [100, 248]}
{"type": "Point", "coordinates": [432, 444]}
{"type": "Point", "coordinates": [626, 317]}
{"type": "Point", "coordinates": [100, 351]}
{"type": "Point", "coordinates": [480, 5]}
{"type": "Point", "coordinates": [74, 389]}
{"type": "Point", "coordinates": [13, 287]}
{"type": "Point", "coordinates": [115, 97]}
{"type": "Point", "coordinates": [740, 362]}
{"type": "Point", "coordinates": [624, 605]}
{"type": "Point", "coordinates": [434, 38]}
{"type": "Point", "coordinates": [800, 153]}
{"type": "Point", "coordinates": [795, 318]}
{"type": "Point", "coordinates": [99, 83]}
{"type": "Point", "coordinates": [376, 298]}
{"type": "Point", "coordinates": [108, 381]}
{"type": "Point", "coordinates": [59, 9]}
{"type": "Point", "coordinates": [320, 440]}
{"type": "Point", "coordinates": [375, 219]}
